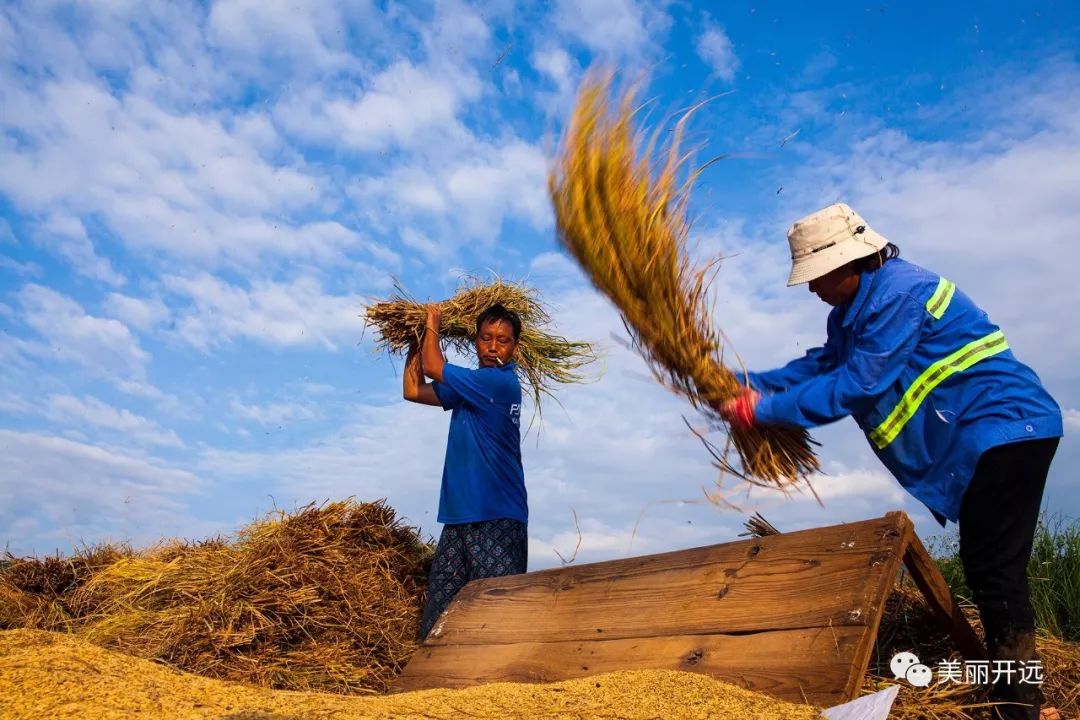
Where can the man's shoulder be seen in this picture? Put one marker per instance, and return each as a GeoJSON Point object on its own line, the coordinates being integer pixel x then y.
{"type": "Point", "coordinates": [503, 379]}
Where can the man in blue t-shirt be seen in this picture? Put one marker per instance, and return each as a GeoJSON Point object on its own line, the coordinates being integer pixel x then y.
{"type": "Point", "coordinates": [482, 504]}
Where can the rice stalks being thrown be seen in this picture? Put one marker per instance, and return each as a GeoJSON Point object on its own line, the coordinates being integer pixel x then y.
{"type": "Point", "coordinates": [544, 359]}
{"type": "Point", "coordinates": [628, 230]}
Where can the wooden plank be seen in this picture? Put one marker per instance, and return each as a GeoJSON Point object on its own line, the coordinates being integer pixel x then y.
{"type": "Point", "coordinates": [797, 665]}
{"type": "Point", "coordinates": [813, 578]}
{"type": "Point", "coordinates": [924, 571]}
{"type": "Point", "coordinates": [897, 532]}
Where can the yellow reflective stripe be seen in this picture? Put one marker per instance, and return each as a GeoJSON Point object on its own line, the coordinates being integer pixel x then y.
{"type": "Point", "coordinates": [939, 301]}
{"type": "Point", "coordinates": [930, 378]}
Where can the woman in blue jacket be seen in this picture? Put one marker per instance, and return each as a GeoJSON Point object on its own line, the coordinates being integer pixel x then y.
{"type": "Point", "coordinates": [961, 423]}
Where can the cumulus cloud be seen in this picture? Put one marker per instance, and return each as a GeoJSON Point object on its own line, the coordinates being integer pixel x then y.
{"type": "Point", "coordinates": [69, 334]}
{"type": "Point", "coordinates": [715, 48]}
{"type": "Point", "coordinates": [67, 237]}
{"type": "Point", "coordinates": [139, 313]}
{"type": "Point", "coordinates": [296, 313]}
{"type": "Point", "coordinates": [474, 192]}
{"type": "Point", "coordinates": [92, 411]}
{"type": "Point", "coordinates": [274, 413]}
{"type": "Point", "coordinates": [617, 28]}
{"type": "Point", "coordinates": [117, 495]}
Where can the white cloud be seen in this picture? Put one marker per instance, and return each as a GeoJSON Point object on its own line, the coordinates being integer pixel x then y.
{"type": "Point", "coordinates": [475, 190]}
{"type": "Point", "coordinates": [187, 185]}
{"type": "Point", "coordinates": [296, 313]}
{"type": "Point", "coordinates": [618, 28]}
{"type": "Point", "coordinates": [715, 48]}
{"type": "Point", "coordinates": [313, 32]}
{"type": "Point", "coordinates": [67, 237]}
{"type": "Point", "coordinates": [422, 244]}
{"type": "Point", "coordinates": [400, 104]}
{"type": "Point", "coordinates": [64, 492]}
{"type": "Point", "coordinates": [69, 334]}
{"type": "Point", "coordinates": [92, 411]}
{"type": "Point", "coordinates": [408, 104]}
{"type": "Point", "coordinates": [1072, 419]}
{"type": "Point", "coordinates": [141, 314]}
{"type": "Point", "coordinates": [273, 413]}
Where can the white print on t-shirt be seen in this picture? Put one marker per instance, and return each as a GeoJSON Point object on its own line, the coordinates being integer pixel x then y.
{"type": "Point", "coordinates": [515, 414]}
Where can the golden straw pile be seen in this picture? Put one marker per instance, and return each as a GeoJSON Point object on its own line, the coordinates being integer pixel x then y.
{"type": "Point", "coordinates": [628, 229]}
{"type": "Point", "coordinates": [327, 598]}
{"type": "Point", "coordinates": [543, 358]}
{"type": "Point", "coordinates": [57, 676]}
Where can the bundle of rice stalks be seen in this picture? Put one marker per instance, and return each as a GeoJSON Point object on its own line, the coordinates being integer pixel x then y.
{"type": "Point", "coordinates": [627, 228]}
{"type": "Point", "coordinates": [543, 358]}
{"type": "Point", "coordinates": [327, 598]}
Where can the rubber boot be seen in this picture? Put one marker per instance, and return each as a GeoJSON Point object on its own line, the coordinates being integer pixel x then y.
{"type": "Point", "coordinates": [1025, 698]}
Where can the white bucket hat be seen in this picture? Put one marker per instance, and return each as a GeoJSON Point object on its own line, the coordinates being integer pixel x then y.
{"type": "Point", "coordinates": [828, 239]}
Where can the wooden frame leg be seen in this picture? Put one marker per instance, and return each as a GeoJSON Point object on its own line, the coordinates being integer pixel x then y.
{"type": "Point", "coordinates": [930, 582]}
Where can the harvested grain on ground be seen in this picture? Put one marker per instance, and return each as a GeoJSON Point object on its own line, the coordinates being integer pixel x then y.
{"type": "Point", "coordinates": [627, 228]}
{"type": "Point", "coordinates": [544, 359]}
{"type": "Point", "coordinates": [59, 676]}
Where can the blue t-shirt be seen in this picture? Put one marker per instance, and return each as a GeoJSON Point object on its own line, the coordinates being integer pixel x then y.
{"type": "Point", "coordinates": [483, 478]}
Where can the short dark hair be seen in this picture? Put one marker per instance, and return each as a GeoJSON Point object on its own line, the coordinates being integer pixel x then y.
{"type": "Point", "coordinates": [873, 262]}
{"type": "Point", "coordinates": [497, 312]}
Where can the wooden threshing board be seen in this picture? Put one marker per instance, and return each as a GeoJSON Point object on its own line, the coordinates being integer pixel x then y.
{"type": "Point", "coordinates": [792, 615]}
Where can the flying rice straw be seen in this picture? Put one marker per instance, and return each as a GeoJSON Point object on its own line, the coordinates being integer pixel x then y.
{"type": "Point", "coordinates": [628, 230]}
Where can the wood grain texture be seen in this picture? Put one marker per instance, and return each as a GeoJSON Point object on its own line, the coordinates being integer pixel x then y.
{"type": "Point", "coordinates": [813, 578]}
{"type": "Point", "coordinates": [796, 665]}
{"type": "Point", "coordinates": [792, 615]}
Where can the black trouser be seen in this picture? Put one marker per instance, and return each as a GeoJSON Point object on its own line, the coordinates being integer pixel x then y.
{"type": "Point", "coordinates": [998, 517]}
{"type": "Point", "coordinates": [471, 551]}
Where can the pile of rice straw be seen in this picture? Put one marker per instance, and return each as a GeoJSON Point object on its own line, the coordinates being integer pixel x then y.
{"type": "Point", "coordinates": [52, 675]}
{"type": "Point", "coordinates": [543, 358]}
{"type": "Point", "coordinates": [327, 598]}
{"type": "Point", "coordinates": [627, 229]}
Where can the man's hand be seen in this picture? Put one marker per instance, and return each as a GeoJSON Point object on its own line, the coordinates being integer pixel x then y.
{"type": "Point", "coordinates": [432, 360]}
{"type": "Point", "coordinates": [414, 386]}
{"type": "Point", "coordinates": [739, 411]}
{"type": "Point", "coordinates": [434, 318]}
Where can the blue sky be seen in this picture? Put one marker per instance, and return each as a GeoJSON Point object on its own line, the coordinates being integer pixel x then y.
{"type": "Point", "coordinates": [196, 201]}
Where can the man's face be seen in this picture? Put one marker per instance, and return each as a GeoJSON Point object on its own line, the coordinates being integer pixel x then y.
{"type": "Point", "coordinates": [495, 344]}
{"type": "Point", "coordinates": [837, 287]}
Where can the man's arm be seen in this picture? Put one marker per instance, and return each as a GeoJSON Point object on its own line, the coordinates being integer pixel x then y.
{"type": "Point", "coordinates": [415, 387]}
{"type": "Point", "coordinates": [432, 360]}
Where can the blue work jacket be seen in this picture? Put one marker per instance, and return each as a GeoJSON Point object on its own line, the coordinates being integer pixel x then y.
{"type": "Point", "coordinates": [925, 374]}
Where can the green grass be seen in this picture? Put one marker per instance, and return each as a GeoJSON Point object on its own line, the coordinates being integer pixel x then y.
{"type": "Point", "coordinates": [1054, 573]}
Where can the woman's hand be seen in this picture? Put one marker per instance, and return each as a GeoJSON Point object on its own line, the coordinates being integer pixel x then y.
{"type": "Point", "coordinates": [739, 411]}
